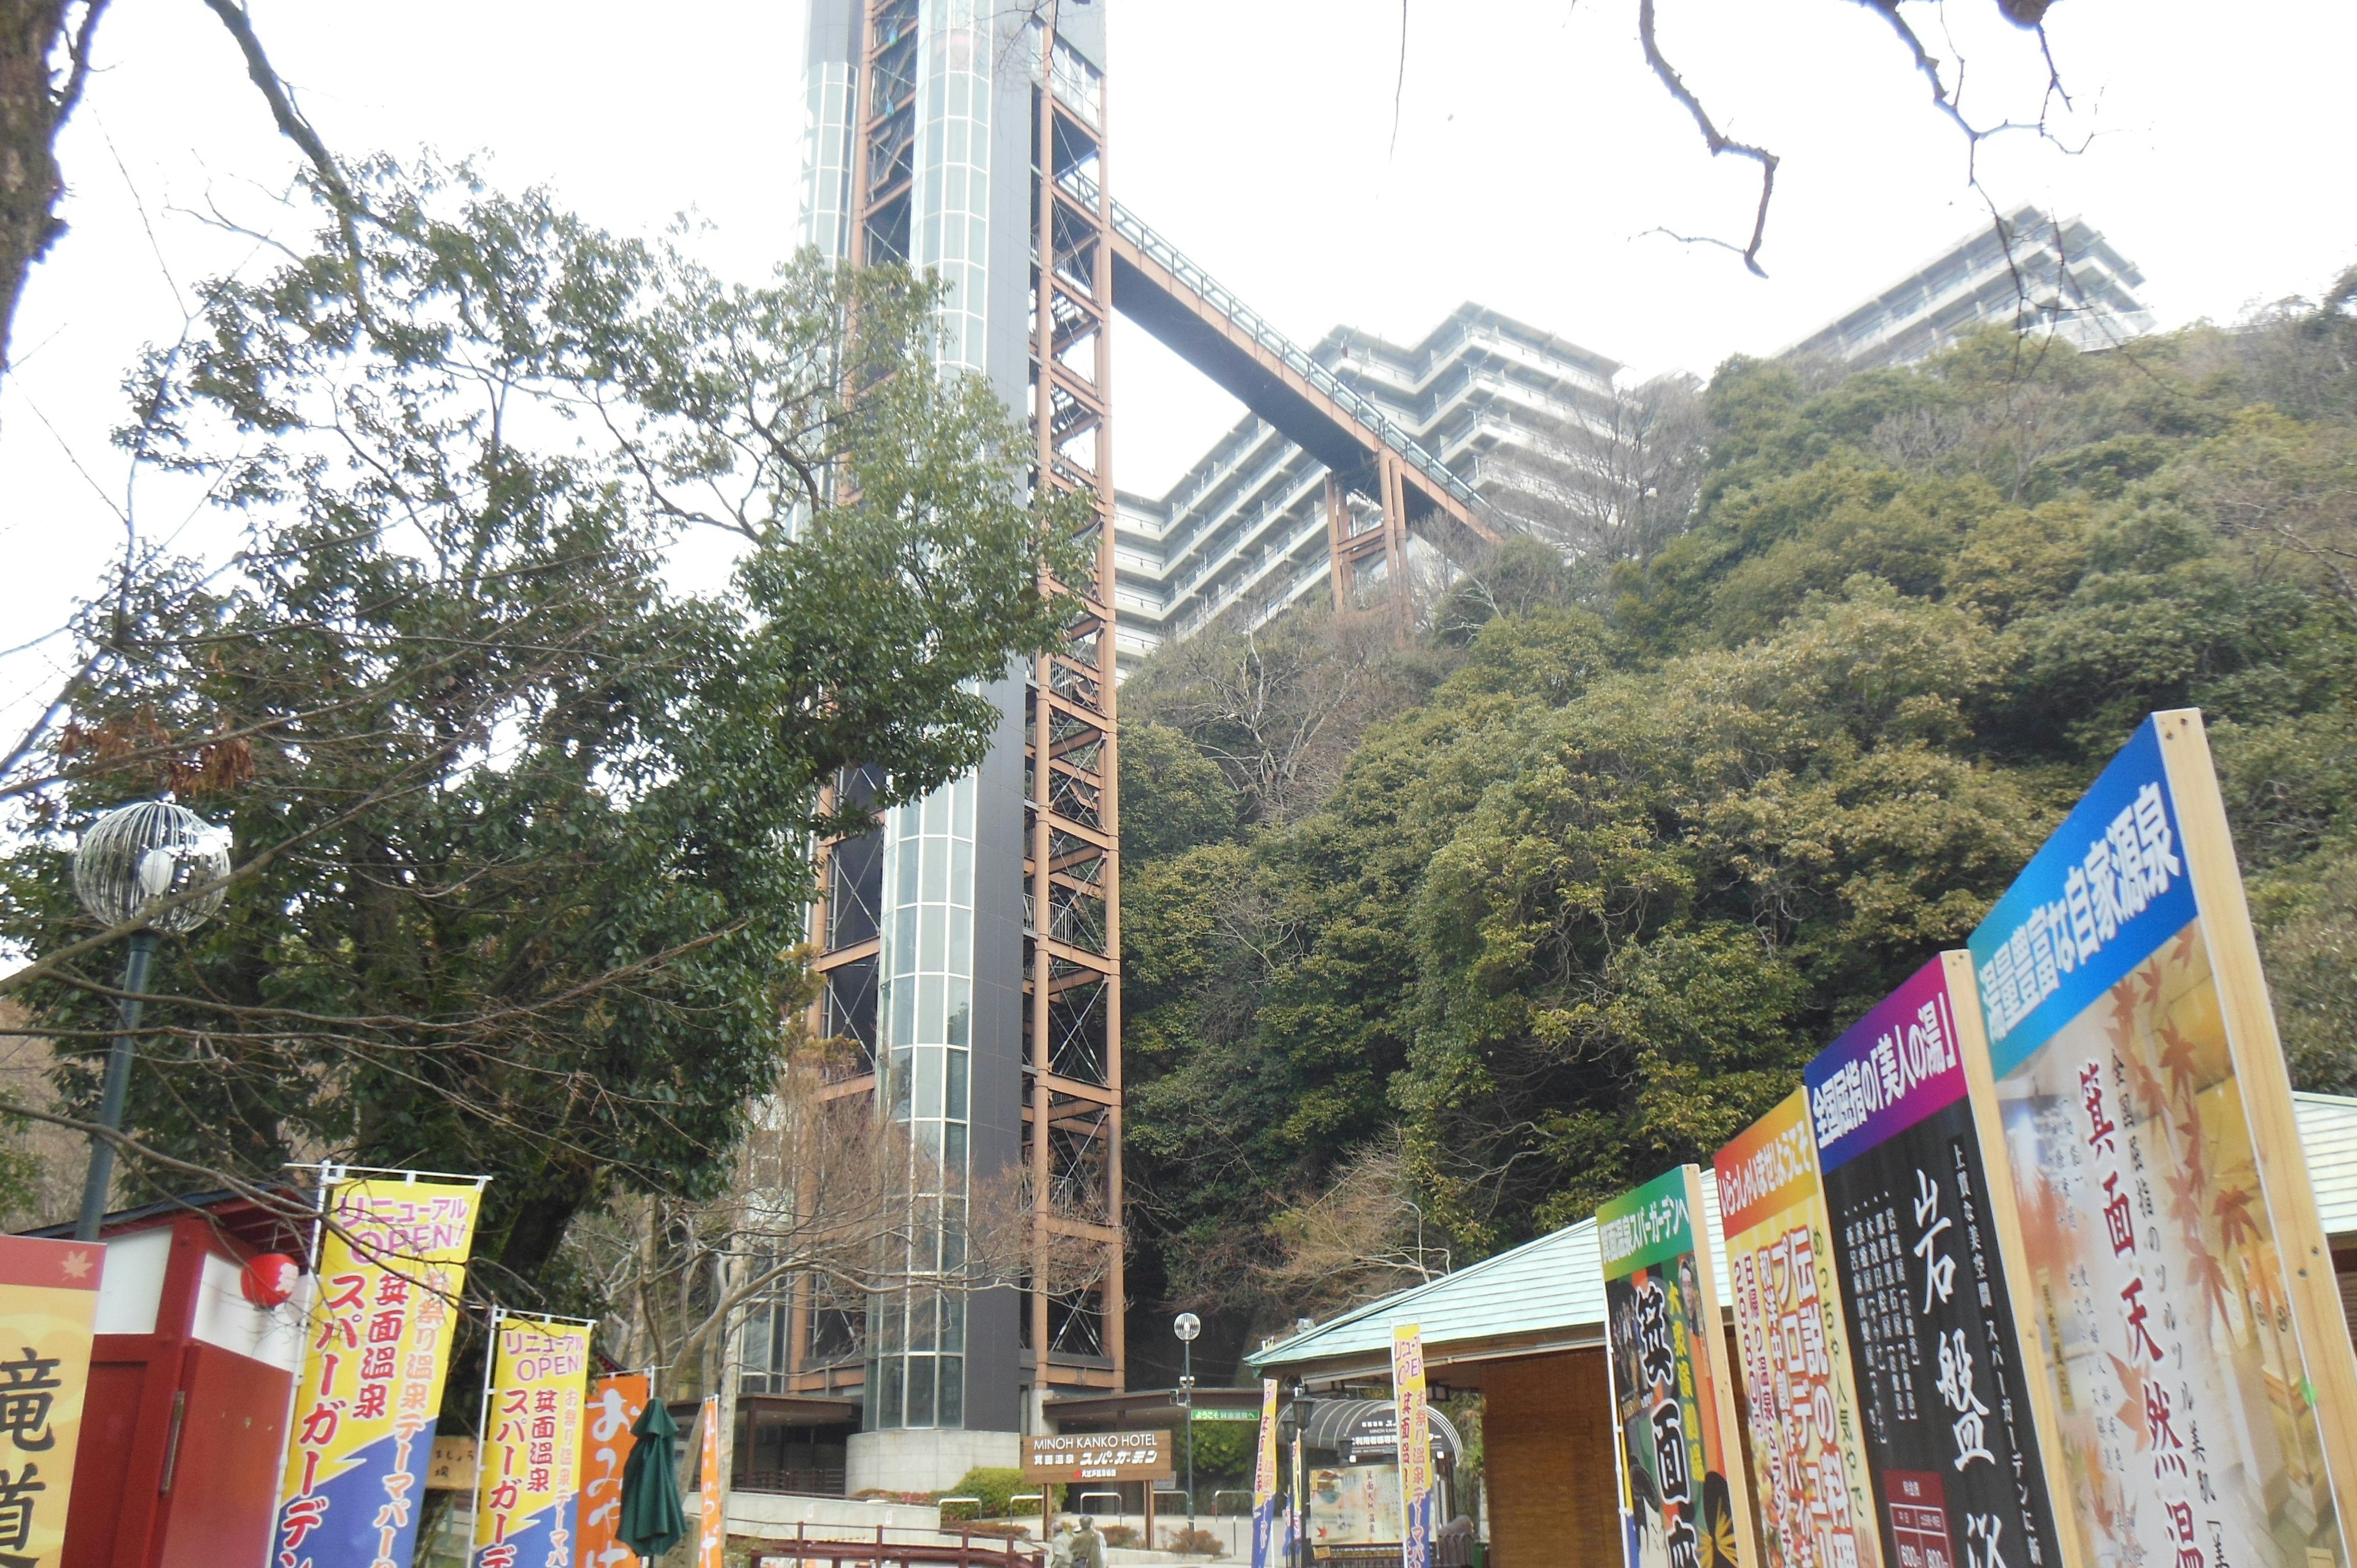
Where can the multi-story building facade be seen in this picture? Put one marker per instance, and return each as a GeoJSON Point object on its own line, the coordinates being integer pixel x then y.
{"type": "Point", "coordinates": [1512, 411]}
{"type": "Point", "coordinates": [2028, 271]}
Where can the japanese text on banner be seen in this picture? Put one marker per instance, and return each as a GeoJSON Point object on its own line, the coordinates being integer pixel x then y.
{"type": "Point", "coordinates": [48, 1296]}
{"type": "Point", "coordinates": [391, 1263]}
{"type": "Point", "coordinates": [527, 1462]}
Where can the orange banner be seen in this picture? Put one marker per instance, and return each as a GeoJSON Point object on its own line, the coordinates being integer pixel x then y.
{"type": "Point", "coordinates": [712, 1523]}
{"type": "Point", "coordinates": [615, 1405]}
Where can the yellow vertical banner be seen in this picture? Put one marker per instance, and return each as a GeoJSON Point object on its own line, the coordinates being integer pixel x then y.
{"type": "Point", "coordinates": [712, 1521]}
{"type": "Point", "coordinates": [615, 1405]}
{"type": "Point", "coordinates": [48, 1296]}
{"type": "Point", "coordinates": [1265, 1479]}
{"type": "Point", "coordinates": [392, 1262]}
{"type": "Point", "coordinates": [1415, 1417]}
{"type": "Point", "coordinates": [527, 1461]}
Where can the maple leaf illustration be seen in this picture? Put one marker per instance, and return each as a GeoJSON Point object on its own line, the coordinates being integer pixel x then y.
{"type": "Point", "coordinates": [2185, 1196]}
{"type": "Point", "coordinates": [2131, 1411]}
{"type": "Point", "coordinates": [2184, 947]}
{"type": "Point", "coordinates": [2203, 1270]}
{"type": "Point", "coordinates": [2121, 1026]}
{"type": "Point", "coordinates": [2144, 1084]}
{"type": "Point", "coordinates": [2176, 1055]}
{"type": "Point", "coordinates": [2235, 1225]}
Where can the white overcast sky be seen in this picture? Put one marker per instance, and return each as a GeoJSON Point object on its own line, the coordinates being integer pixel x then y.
{"type": "Point", "coordinates": [1533, 151]}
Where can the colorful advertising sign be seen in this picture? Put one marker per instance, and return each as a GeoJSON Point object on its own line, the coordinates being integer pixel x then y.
{"type": "Point", "coordinates": [1817, 1509]}
{"type": "Point", "coordinates": [527, 1470]}
{"type": "Point", "coordinates": [615, 1406]}
{"type": "Point", "coordinates": [48, 1296]}
{"type": "Point", "coordinates": [712, 1492]}
{"type": "Point", "coordinates": [1671, 1379]}
{"type": "Point", "coordinates": [1415, 1445]}
{"type": "Point", "coordinates": [2174, 1269]}
{"type": "Point", "coordinates": [1265, 1480]}
{"type": "Point", "coordinates": [1918, 1223]}
{"type": "Point", "coordinates": [393, 1258]}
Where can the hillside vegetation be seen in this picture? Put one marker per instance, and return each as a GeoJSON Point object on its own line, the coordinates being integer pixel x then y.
{"type": "Point", "coordinates": [1429, 947]}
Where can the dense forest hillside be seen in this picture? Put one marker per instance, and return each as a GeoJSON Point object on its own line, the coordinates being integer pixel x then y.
{"type": "Point", "coordinates": [1431, 944]}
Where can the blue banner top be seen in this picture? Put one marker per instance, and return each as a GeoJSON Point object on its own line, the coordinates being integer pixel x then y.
{"type": "Point", "coordinates": [2099, 897]}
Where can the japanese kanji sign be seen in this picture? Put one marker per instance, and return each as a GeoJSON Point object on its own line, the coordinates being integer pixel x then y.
{"type": "Point", "coordinates": [1414, 1415]}
{"type": "Point", "coordinates": [527, 1467]}
{"type": "Point", "coordinates": [392, 1262]}
{"type": "Point", "coordinates": [1142, 1456]}
{"type": "Point", "coordinates": [2173, 1265]}
{"type": "Point", "coordinates": [1817, 1503]}
{"type": "Point", "coordinates": [1948, 1417]}
{"type": "Point", "coordinates": [615, 1405]}
{"type": "Point", "coordinates": [1688, 1505]}
{"type": "Point", "coordinates": [48, 1296]}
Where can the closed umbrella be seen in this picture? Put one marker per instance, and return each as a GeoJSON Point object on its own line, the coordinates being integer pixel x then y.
{"type": "Point", "coordinates": [652, 1519]}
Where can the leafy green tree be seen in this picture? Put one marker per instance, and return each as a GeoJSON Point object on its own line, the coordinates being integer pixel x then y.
{"type": "Point", "coordinates": [1584, 910]}
{"type": "Point", "coordinates": [521, 828]}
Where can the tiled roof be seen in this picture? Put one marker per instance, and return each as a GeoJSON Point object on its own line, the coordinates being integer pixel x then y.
{"type": "Point", "coordinates": [1554, 1287]}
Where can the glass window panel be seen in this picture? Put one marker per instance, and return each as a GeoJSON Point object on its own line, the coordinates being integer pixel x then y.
{"type": "Point", "coordinates": [921, 1391]}
{"type": "Point", "coordinates": [929, 1007]}
{"type": "Point", "coordinates": [954, 1237]}
{"type": "Point", "coordinates": [955, 1107]}
{"type": "Point", "coordinates": [928, 1080]}
{"type": "Point", "coordinates": [937, 868]}
{"type": "Point", "coordinates": [951, 1401]}
{"type": "Point", "coordinates": [965, 794]}
{"type": "Point", "coordinates": [962, 872]}
{"type": "Point", "coordinates": [903, 1005]}
{"type": "Point", "coordinates": [961, 954]}
{"type": "Point", "coordinates": [895, 1320]}
{"type": "Point", "coordinates": [904, 942]}
{"type": "Point", "coordinates": [920, 1321]}
{"type": "Point", "coordinates": [896, 1377]}
{"type": "Point", "coordinates": [901, 1075]}
{"type": "Point", "coordinates": [953, 1157]}
{"type": "Point", "coordinates": [931, 948]}
{"type": "Point", "coordinates": [928, 1141]}
{"type": "Point", "coordinates": [960, 1015]}
{"type": "Point", "coordinates": [904, 861]}
{"type": "Point", "coordinates": [952, 1320]}
{"type": "Point", "coordinates": [937, 804]}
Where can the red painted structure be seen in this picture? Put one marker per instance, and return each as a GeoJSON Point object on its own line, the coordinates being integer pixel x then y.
{"type": "Point", "coordinates": [185, 1427]}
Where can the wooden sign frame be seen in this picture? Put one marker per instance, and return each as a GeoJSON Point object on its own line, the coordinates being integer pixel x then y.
{"type": "Point", "coordinates": [2125, 1064]}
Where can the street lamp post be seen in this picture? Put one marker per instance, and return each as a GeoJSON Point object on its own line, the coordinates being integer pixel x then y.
{"type": "Point", "coordinates": [133, 859]}
{"type": "Point", "coordinates": [1289, 1423]}
{"type": "Point", "coordinates": [1186, 1325]}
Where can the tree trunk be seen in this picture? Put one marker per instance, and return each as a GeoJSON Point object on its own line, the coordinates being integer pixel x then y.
{"type": "Point", "coordinates": [41, 70]}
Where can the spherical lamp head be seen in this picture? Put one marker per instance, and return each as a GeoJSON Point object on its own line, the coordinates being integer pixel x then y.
{"type": "Point", "coordinates": [1186, 1325]}
{"type": "Point", "coordinates": [136, 857]}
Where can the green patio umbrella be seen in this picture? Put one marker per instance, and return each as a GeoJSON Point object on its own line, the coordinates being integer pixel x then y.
{"type": "Point", "coordinates": [651, 1521]}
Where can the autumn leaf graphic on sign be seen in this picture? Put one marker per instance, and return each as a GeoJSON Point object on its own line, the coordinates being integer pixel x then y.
{"type": "Point", "coordinates": [2205, 1273]}
{"type": "Point", "coordinates": [2178, 1056]}
{"type": "Point", "coordinates": [2131, 1411]}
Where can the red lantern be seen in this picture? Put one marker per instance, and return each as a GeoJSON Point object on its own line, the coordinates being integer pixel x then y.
{"type": "Point", "coordinates": [269, 1279]}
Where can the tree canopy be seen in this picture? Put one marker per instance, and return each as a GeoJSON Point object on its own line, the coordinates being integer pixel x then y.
{"type": "Point", "coordinates": [1581, 910]}
{"type": "Point", "coordinates": [523, 827]}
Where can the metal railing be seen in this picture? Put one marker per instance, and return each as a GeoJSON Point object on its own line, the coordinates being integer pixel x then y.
{"type": "Point", "coordinates": [1129, 227]}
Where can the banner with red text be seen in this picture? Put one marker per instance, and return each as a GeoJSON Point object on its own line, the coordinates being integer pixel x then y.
{"type": "Point", "coordinates": [1817, 1501]}
{"type": "Point", "coordinates": [48, 1296]}
{"type": "Point", "coordinates": [392, 1259]}
{"type": "Point", "coordinates": [1414, 1410]}
{"type": "Point", "coordinates": [712, 1492]}
{"type": "Point", "coordinates": [527, 1463]}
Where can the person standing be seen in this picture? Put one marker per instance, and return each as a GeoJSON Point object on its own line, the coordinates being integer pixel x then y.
{"type": "Point", "coordinates": [1059, 1546]}
{"type": "Point", "coordinates": [1088, 1546]}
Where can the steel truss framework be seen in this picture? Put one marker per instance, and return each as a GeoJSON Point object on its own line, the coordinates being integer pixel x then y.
{"type": "Point", "coordinates": [1087, 256]}
{"type": "Point", "coordinates": [1071, 1317]}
